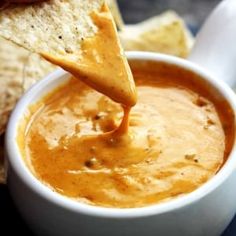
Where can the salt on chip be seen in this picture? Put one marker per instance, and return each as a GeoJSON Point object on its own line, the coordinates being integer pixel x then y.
{"type": "Point", "coordinates": [165, 33]}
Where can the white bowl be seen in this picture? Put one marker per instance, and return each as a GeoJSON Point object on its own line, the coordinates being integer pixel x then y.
{"type": "Point", "coordinates": [206, 211]}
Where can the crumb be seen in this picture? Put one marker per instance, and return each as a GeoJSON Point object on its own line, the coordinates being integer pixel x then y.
{"type": "Point", "coordinates": [92, 149]}
{"type": "Point", "coordinates": [90, 163]}
{"type": "Point", "coordinates": [189, 156]}
{"type": "Point", "coordinates": [68, 50]}
{"type": "Point", "coordinates": [201, 102]}
{"type": "Point", "coordinates": [210, 121]}
{"type": "Point", "coordinates": [97, 117]}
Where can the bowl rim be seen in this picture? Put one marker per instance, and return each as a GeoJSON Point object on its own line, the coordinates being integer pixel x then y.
{"type": "Point", "coordinates": [18, 165]}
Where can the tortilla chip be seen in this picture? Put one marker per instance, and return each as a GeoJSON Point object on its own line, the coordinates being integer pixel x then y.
{"type": "Point", "coordinates": [11, 74]}
{"type": "Point", "coordinates": [165, 33]}
{"type": "Point", "coordinates": [115, 11]}
{"type": "Point", "coordinates": [59, 30]}
{"type": "Point", "coordinates": [17, 66]}
{"type": "Point", "coordinates": [56, 27]}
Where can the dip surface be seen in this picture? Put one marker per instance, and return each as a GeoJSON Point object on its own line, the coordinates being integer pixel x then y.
{"type": "Point", "coordinates": [176, 140]}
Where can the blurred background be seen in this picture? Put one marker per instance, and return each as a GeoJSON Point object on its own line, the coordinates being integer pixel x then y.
{"type": "Point", "coordinates": [193, 12]}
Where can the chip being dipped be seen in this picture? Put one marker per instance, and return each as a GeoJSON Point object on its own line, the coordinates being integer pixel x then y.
{"type": "Point", "coordinates": [64, 32]}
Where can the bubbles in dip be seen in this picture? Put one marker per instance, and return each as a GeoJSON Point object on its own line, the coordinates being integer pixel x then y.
{"type": "Point", "coordinates": [175, 143]}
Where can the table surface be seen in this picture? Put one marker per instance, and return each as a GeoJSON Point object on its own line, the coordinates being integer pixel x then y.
{"type": "Point", "coordinates": [194, 13]}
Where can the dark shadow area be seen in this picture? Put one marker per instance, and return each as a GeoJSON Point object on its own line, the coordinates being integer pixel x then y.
{"type": "Point", "coordinates": [11, 222]}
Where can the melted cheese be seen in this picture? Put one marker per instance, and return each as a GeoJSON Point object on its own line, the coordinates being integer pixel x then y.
{"type": "Point", "coordinates": [175, 143]}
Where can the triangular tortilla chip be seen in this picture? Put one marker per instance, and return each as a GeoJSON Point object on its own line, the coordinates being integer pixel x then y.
{"type": "Point", "coordinates": [78, 35]}
{"type": "Point", "coordinates": [165, 33]}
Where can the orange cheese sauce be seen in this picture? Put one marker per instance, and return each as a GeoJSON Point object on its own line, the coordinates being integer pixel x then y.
{"type": "Point", "coordinates": [180, 133]}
